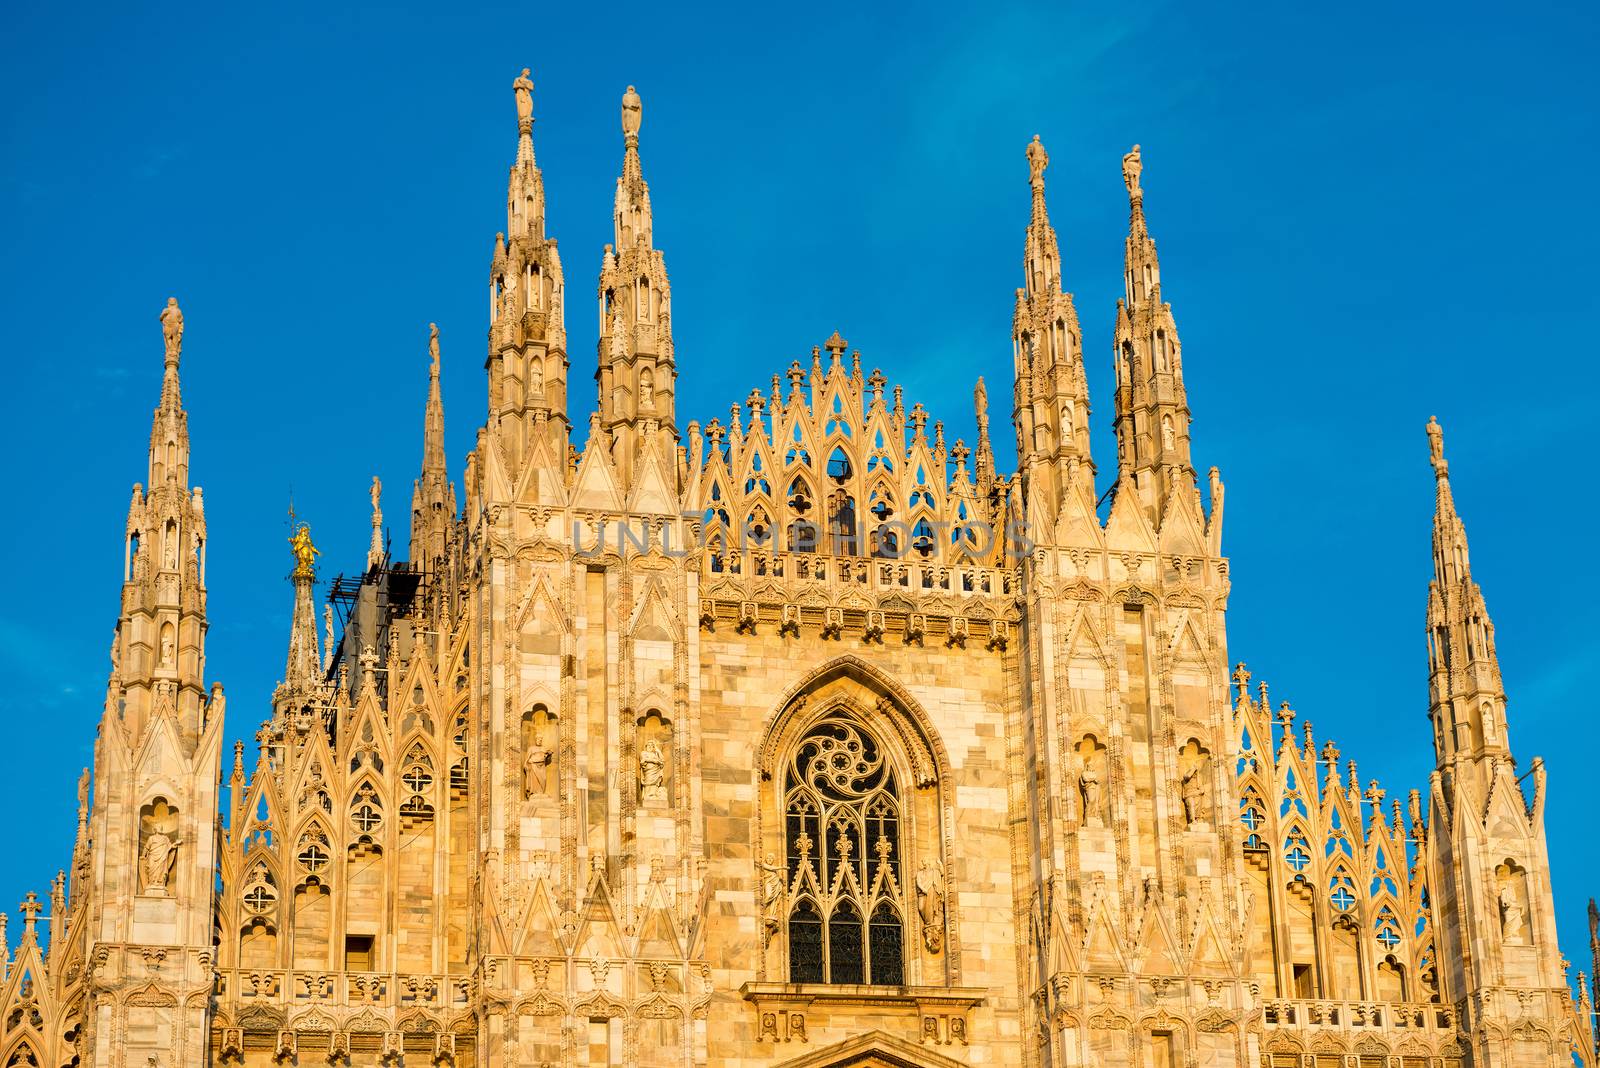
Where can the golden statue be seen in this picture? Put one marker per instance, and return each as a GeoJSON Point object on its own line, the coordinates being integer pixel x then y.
{"type": "Point", "coordinates": [305, 554]}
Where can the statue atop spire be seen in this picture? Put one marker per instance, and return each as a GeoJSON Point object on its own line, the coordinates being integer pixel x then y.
{"type": "Point", "coordinates": [1038, 160]}
{"type": "Point", "coordinates": [433, 350]}
{"type": "Point", "coordinates": [375, 549]}
{"type": "Point", "coordinates": [1131, 169]}
{"type": "Point", "coordinates": [523, 87]}
{"type": "Point", "coordinates": [305, 554]}
{"type": "Point", "coordinates": [632, 115]}
{"type": "Point", "coordinates": [172, 329]}
{"type": "Point", "coordinates": [1436, 446]}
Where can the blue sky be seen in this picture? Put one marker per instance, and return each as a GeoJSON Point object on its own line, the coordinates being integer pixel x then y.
{"type": "Point", "coordinates": [1366, 215]}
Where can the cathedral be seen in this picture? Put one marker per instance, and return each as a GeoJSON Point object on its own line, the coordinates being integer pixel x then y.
{"type": "Point", "coordinates": [799, 738]}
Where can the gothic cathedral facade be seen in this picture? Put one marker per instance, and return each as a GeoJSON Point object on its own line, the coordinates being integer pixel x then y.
{"type": "Point", "coordinates": [803, 738]}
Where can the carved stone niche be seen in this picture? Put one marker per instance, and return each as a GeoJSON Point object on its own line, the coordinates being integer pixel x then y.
{"type": "Point", "coordinates": [933, 1015]}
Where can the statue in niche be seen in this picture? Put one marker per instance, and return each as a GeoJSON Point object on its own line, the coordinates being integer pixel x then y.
{"type": "Point", "coordinates": [1131, 169]}
{"type": "Point", "coordinates": [930, 904]}
{"type": "Point", "coordinates": [652, 772]}
{"type": "Point", "coordinates": [1090, 789]}
{"type": "Point", "coordinates": [535, 376]}
{"type": "Point", "coordinates": [772, 889]}
{"type": "Point", "coordinates": [166, 650]}
{"type": "Point", "coordinates": [1510, 912]}
{"type": "Point", "coordinates": [536, 766]}
{"type": "Point", "coordinates": [647, 390]}
{"type": "Point", "coordinates": [155, 863]}
{"type": "Point", "coordinates": [1169, 439]}
{"type": "Point", "coordinates": [172, 328]}
{"type": "Point", "coordinates": [1196, 802]}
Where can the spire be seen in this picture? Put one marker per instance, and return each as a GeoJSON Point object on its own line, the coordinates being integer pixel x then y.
{"type": "Point", "coordinates": [984, 463]}
{"type": "Point", "coordinates": [632, 223]}
{"type": "Point", "coordinates": [636, 378]}
{"type": "Point", "coordinates": [527, 361]}
{"type": "Point", "coordinates": [1152, 416]}
{"type": "Point", "coordinates": [301, 672]}
{"type": "Point", "coordinates": [1467, 698]}
{"type": "Point", "coordinates": [433, 497]}
{"type": "Point", "coordinates": [525, 189]}
{"type": "Point", "coordinates": [1052, 397]}
{"type": "Point", "coordinates": [169, 430]}
{"type": "Point", "coordinates": [162, 654]}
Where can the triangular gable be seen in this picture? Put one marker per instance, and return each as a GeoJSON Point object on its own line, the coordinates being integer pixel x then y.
{"type": "Point", "coordinates": [873, 1048]}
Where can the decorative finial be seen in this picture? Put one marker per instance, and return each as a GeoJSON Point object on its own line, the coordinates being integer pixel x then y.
{"type": "Point", "coordinates": [433, 349]}
{"type": "Point", "coordinates": [1436, 446]}
{"type": "Point", "coordinates": [1131, 169]}
{"type": "Point", "coordinates": [523, 87]}
{"type": "Point", "coordinates": [305, 554]}
{"type": "Point", "coordinates": [1038, 160]}
{"type": "Point", "coordinates": [632, 116]}
{"type": "Point", "coordinates": [172, 329]}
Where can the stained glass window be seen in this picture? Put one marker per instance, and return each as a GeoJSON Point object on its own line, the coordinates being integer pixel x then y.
{"type": "Point", "coordinates": [842, 823]}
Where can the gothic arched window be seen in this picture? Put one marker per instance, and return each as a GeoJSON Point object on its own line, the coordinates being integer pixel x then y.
{"type": "Point", "coordinates": [842, 828]}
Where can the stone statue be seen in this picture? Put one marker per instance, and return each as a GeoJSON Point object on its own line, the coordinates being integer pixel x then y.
{"type": "Point", "coordinates": [647, 390]}
{"type": "Point", "coordinates": [772, 889]}
{"type": "Point", "coordinates": [172, 328]}
{"type": "Point", "coordinates": [1196, 806]}
{"type": "Point", "coordinates": [1435, 441]}
{"type": "Point", "coordinates": [536, 767]}
{"type": "Point", "coordinates": [155, 864]}
{"type": "Point", "coordinates": [1038, 160]}
{"type": "Point", "coordinates": [1089, 785]}
{"type": "Point", "coordinates": [930, 904]}
{"type": "Point", "coordinates": [1510, 914]}
{"type": "Point", "coordinates": [166, 650]}
{"type": "Point", "coordinates": [1131, 169]}
{"type": "Point", "coordinates": [374, 494]}
{"type": "Point", "coordinates": [632, 113]}
{"type": "Point", "coordinates": [523, 87]}
{"type": "Point", "coordinates": [652, 772]}
{"type": "Point", "coordinates": [1169, 439]}
{"type": "Point", "coordinates": [305, 554]}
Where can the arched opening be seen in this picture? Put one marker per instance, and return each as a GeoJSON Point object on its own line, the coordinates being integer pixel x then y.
{"type": "Point", "coordinates": [853, 886]}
